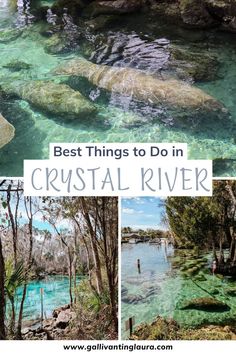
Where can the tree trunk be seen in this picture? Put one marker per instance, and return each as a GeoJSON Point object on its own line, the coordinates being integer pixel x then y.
{"type": "Point", "coordinates": [110, 255]}
{"type": "Point", "coordinates": [13, 317]}
{"type": "Point", "coordinates": [20, 317]}
{"type": "Point", "coordinates": [221, 257]}
{"type": "Point", "coordinates": [70, 276]}
{"type": "Point", "coordinates": [95, 252]}
{"type": "Point", "coordinates": [232, 246]}
{"type": "Point", "coordinates": [13, 221]}
{"type": "Point", "coordinates": [28, 266]}
{"type": "Point", "coordinates": [2, 295]}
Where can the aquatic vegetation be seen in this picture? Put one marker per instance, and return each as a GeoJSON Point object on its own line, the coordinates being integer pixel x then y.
{"type": "Point", "coordinates": [168, 329]}
{"type": "Point", "coordinates": [7, 131]}
{"type": "Point", "coordinates": [17, 65]}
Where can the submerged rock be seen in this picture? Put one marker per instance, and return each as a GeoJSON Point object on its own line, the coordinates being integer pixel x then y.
{"type": "Point", "coordinates": [54, 98]}
{"type": "Point", "coordinates": [199, 13]}
{"type": "Point", "coordinates": [173, 94]}
{"type": "Point", "coordinates": [74, 7]}
{"type": "Point", "coordinates": [193, 64]}
{"type": "Point", "coordinates": [9, 35]}
{"type": "Point", "coordinates": [112, 7]}
{"type": "Point", "coordinates": [101, 22]}
{"type": "Point", "coordinates": [208, 304]}
{"type": "Point", "coordinates": [195, 14]}
{"type": "Point", "coordinates": [7, 131]}
{"type": "Point", "coordinates": [56, 44]}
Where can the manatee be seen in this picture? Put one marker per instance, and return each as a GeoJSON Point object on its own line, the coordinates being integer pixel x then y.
{"type": "Point", "coordinates": [207, 304]}
{"type": "Point", "coordinates": [171, 93]}
{"type": "Point", "coordinates": [7, 131]}
{"type": "Point", "coordinates": [54, 98]}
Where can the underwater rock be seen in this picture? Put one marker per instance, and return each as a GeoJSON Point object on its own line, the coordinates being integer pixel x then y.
{"type": "Point", "coordinates": [112, 7]}
{"type": "Point", "coordinates": [224, 11]}
{"type": "Point", "coordinates": [17, 65]}
{"type": "Point", "coordinates": [9, 35]}
{"type": "Point", "coordinates": [7, 131]}
{"type": "Point", "coordinates": [99, 22]}
{"type": "Point", "coordinates": [54, 98]}
{"type": "Point", "coordinates": [205, 304]}
{"type": "Point", "coordinates": [198, 14]}
{"type": "Point", "coordinates": [56, 44]}
{"type": "Point", "coordinates": [74, 7]}
{"type": "Point", "coordinates": [192, 64]}
{"type": "Point", "coordinates": [194, 14]}
{"type": "Point", "coordinates": [170, 12]}
{"type": "Point", "coordinates": [138, 85]}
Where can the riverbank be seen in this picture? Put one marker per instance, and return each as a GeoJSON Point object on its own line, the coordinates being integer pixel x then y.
{"type": "Point", "coordinates": [167, 329]}
{"type": "Point", "coordinates": [67, 323]}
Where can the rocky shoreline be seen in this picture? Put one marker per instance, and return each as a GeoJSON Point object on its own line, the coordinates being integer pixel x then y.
{"type": "Point", "coordinates": [56, 327]}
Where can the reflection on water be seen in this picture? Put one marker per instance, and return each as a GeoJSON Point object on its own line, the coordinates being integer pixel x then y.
{"type": "Point", "coordinates": [207, 60]}
{"type": "Point", "coordinates": [169, 278]}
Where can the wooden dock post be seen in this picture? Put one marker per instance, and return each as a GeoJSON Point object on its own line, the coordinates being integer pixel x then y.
{"type": "Point", "coordinates": [129, 325]}
{"type": "Point", "coordinates": [41, 299]}
{"type": "Point", "coordinates": [139, 265]}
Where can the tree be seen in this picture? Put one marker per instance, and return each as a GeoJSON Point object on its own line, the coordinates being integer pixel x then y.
{"type": "Point", "coordinates": [2, 294]}
{"type": "Point", "coordinates": [207, 222]}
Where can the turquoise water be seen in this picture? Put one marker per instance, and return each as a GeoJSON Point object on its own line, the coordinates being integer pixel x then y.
{"type": "Point", "coordinates": [56, 294]}
{"type": "Point", "coordinates": [162, 288]}
{"type": "Point", "coordinates": [136, 41]}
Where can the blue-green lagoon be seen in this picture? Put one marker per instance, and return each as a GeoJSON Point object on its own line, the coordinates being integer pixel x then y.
{"type": "Point", "coordinates": [55, 294]}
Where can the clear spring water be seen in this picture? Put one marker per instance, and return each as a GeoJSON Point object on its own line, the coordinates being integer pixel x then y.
{"type": "Point", "coordinates": [56, 294]}
{"type": "Point", "coordinates": [161, 289]}
{"type": "Point", "coordinates": [136, 41]}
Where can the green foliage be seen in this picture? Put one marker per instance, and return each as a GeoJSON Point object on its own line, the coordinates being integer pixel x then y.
{"type": "Point", "coordinates": [196, 221]}
{"type": "Point", "coordinates": [90, 300]}
{"type": "Point", "coordinates": [189, 219]}
{"type": "Point", "coordinates": [14, 278]}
